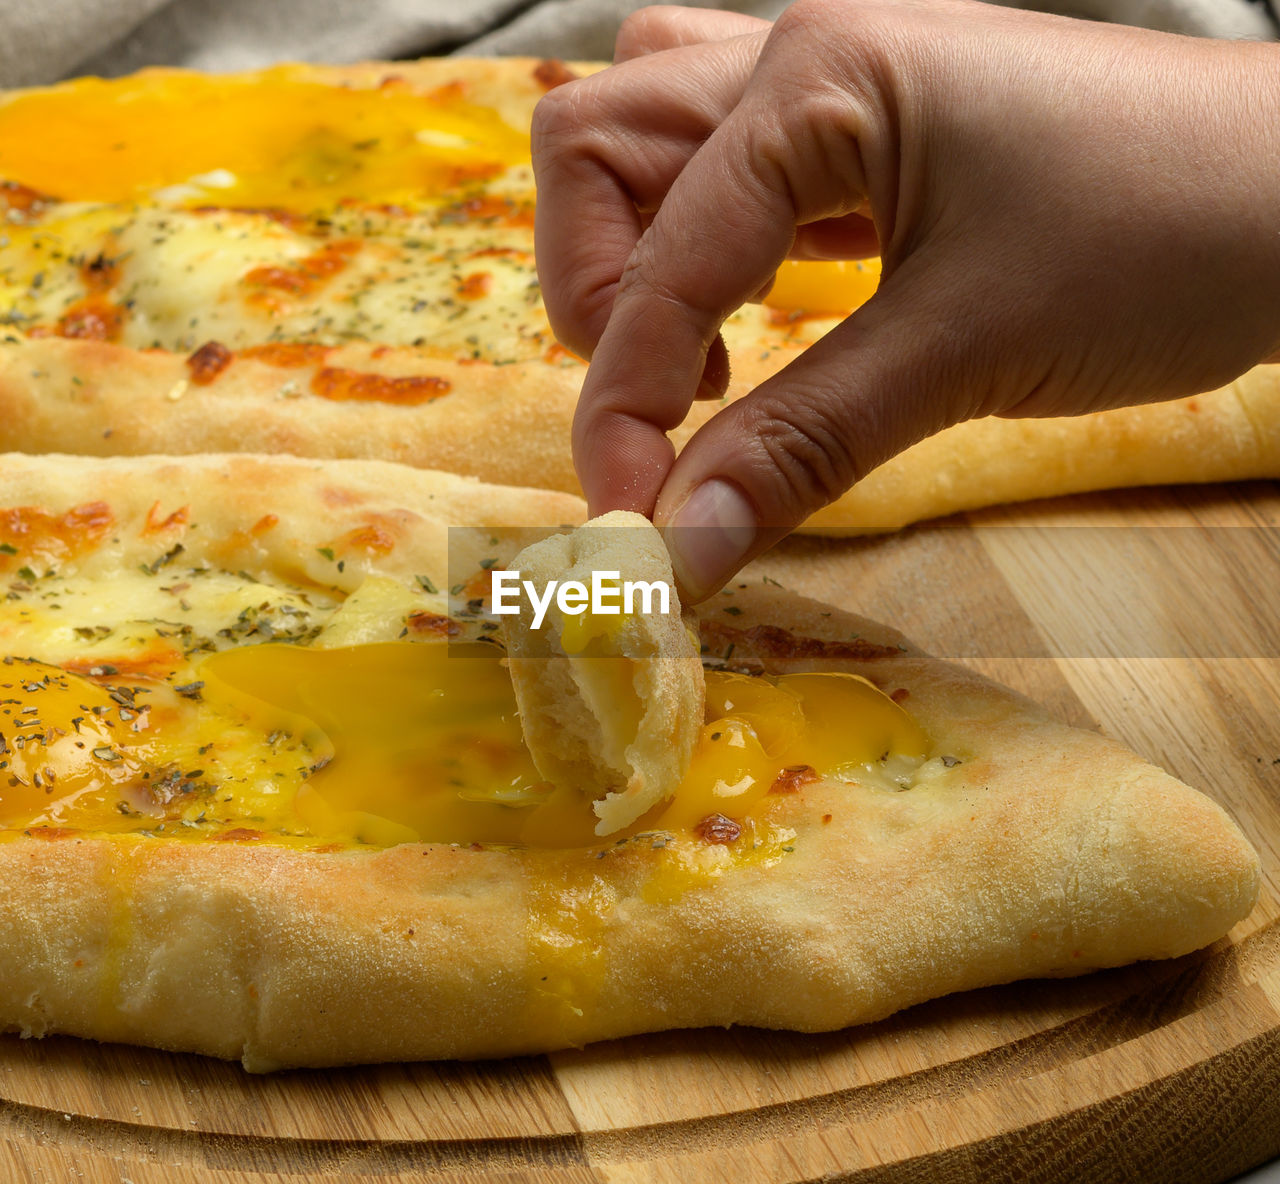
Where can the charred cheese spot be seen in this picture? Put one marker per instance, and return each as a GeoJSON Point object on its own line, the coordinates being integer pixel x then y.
{"type": "Point", "coordinates": [271, 287]}
{"type": "Point", "coordinates": [158, 523]}
{"type": "Point", "coordinates": [31, 536]}
{"type": "Point", "coordinates": [552, 72]}
{"type": "Point", "coordinates": [353, 386]}
{"type": "Point", "coordinates": [290, 354]}
{"type": "Point", "coordinates": [210, 360]}
{"type": "Point", "coordinates": [92, 319]}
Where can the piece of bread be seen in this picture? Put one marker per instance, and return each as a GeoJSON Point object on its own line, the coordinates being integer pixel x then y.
{"type": "Point", "coordinates": [610, 704]}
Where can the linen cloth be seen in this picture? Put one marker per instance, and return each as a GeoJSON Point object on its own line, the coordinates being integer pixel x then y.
{"type": "Point", "coordinates": [44, 40]}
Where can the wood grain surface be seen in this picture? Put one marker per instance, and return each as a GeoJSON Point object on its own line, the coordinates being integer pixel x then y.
{"type": "Point", "coordinates": [1153, 615]}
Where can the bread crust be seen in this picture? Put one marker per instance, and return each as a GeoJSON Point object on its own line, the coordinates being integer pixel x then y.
{"type": "Point", "coordinates": [1031, 849]}
{"type": "Point", "coordinates": [1231, 434]}
{"type": "Point", "coordinates": [510, 423]}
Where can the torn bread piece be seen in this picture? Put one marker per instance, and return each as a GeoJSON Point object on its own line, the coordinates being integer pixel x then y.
{"type": "Point", "coordinates": [611, 697]}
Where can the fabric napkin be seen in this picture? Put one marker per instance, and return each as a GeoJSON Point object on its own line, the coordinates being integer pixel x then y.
{"type": "Point", "coordinates": [44, 40]}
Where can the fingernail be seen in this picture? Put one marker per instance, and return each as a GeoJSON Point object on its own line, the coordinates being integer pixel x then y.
{"type": "Point", "coordinates": [708, 536]}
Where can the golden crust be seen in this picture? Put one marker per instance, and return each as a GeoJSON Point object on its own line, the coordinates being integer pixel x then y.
{"type": "Point", "coordinates": [506, 424]}
{"type": "Point", "coordinates": [1031, 849]}
{"type": "Point", "coordinates": [512, 424]}
{"type": "Point", "coordinates": [309, 504]}
{"type": "Point", "coordinates": [1232, 434]}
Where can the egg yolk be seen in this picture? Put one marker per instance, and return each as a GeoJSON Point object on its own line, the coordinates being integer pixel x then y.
{"type": "Point", "coordinates": [836, 288]}
{"type": "Point", "coordinates": [388, 743]}
{"type": "Point", "coordinates": [61, 737]}
{"type": "Point", "coordinates": [272, 139]}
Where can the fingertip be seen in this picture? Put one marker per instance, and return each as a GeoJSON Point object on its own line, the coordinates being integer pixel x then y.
{"type": "Point", "coordinates": [621, 460]}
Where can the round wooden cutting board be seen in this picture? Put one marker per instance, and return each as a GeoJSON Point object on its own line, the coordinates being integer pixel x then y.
{"type": "Point", "coordinates": [1154, 615]}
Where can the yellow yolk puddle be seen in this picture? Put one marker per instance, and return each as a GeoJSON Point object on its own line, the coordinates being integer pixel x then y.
{"type": "Point", "coordinates": [392, 742]}
{"type": "Point", "coordinates": [425, 739]}
{"type": "Point", "coordinates": [819, 287]}
{"type": "Point", "coordinates": [836, 724]}
{"type": "Point", "coordinates": [61, 739]}
{"type": "Point", "coordinates": [134, 753]}
{"type": "Point", "coordinates": [426, 742]}
{"type": "Point", "coordinates": [577, 633]}
{"type": "Point", "coordinates": [270, 139]}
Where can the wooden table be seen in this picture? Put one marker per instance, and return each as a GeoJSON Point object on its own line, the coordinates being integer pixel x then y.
{"type": "Point", "coordinates": [1154, 615]}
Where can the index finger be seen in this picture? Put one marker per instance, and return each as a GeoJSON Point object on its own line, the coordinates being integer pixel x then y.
{"type": "Point", "coordinates": [727, 222]}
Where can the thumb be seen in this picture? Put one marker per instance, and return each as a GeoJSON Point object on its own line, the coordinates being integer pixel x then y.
{"type": "Point", "coordinates": [886, 377]}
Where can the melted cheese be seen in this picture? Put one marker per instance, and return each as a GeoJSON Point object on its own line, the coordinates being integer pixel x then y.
{"type": "Point", "coordinates": [174, 279]}
{"type": "Point", "coordinates": [169, 209]}
{"type": "Point", "coordinates": [300, 212]}
{"type": "Point", "coordinates": [375, 743]}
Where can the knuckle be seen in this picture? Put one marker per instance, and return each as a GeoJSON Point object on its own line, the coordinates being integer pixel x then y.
{"type": "Point", "coordinates": [812, 126]}
{"type": "Point", "coordinates": [643, 273]}
{"type": "Point", "coordinates": [809, 450]}
{"type": "Point", "coordinates": [649, 275]}
{"type": "Point", "coordinates": [554, 114]}
{"type": "Point", "coordinates": [562, 118]}
{"type": "Point", "coordinates": [810, 20]}
{"type": "Point", "coordinates": [849, 47]}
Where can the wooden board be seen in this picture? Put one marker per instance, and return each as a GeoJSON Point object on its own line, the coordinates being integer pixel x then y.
{"type": "Point", "coordinates": [1154, 615]}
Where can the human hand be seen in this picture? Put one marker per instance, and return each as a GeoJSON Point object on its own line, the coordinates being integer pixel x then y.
{"type": "Point", "coordinates": [1072, 216]}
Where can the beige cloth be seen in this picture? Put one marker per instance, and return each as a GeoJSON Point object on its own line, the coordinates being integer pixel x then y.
{"type": "Point", "coordinates": [42, 40]}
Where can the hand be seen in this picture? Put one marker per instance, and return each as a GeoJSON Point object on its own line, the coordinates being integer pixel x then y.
{"type": "Point", "coordinates": [1071, 216]}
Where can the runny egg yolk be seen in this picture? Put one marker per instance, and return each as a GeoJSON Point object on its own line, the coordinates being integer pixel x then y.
{"type": "Point", "coordinates": [834, 724]}
{"type": "Point", "coordinates": [836, 289]}
{"type": "Point", "coordinates": [134, 753]}
{"type": "Point", "coordinates": [579, 632]}
{"type": "Point", "coordinates": [427, 743]}
{"type": "Point", "coordinates": [388, 743]}
{"type": "Point", "coordinates": [61, 737]}
{"type": "Point", "coordinates": [273, 139]}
